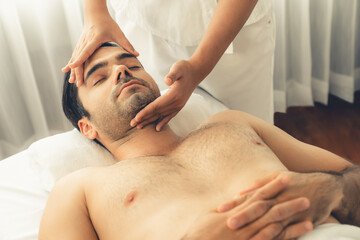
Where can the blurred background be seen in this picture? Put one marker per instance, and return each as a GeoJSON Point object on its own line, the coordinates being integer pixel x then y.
{"type": "Point", "coordinates": [317, 56]}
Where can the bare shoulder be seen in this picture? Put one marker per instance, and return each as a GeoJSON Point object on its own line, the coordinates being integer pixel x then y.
{"type": "Point", "coordinates": [66, 215]}
{"type": "Point", "coordinates": [231, 117]}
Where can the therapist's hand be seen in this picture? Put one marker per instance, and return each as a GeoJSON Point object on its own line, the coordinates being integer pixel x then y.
{"type": "Point", "coordinates": [183, 78]}
{"type": "Point", "coordinates": [319, 189]}
{"type": "Point", "coordinates": [94, 34]}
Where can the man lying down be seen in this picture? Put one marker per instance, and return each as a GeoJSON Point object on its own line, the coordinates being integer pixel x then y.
{"type": "Point", "coordinates": [168, 187]}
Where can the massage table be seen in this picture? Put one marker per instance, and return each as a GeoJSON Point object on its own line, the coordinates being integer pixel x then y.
{"type": "Point", "coordinates": [27, 177]}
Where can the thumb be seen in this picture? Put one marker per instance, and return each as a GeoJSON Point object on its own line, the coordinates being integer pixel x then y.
{"type": "Point", "coordinates": [173, 75]}
{"type": "Point", "coordinates": [124, 42]}
{"type": "Point", "coordinates": [168, 81]}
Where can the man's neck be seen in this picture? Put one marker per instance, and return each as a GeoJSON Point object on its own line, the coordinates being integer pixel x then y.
{"type": "Point", "coordinates": [145, 142]}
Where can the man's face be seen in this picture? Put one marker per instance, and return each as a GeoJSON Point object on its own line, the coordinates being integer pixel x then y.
{"type": "Point", "coordinates": [116, 87]}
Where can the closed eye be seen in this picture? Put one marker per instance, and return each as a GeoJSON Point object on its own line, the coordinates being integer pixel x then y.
{"type": "Point", "coordinates": [134, 67]}
{"type": "Point", "coordinates": [99, 81]}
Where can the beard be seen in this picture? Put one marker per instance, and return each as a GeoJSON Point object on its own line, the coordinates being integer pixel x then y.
{"type": "Point", "coordinates": [135, 103]}
{"type": "Point", "coordinates": [128, 108]}
{"type": "Point", "coordinates": [114, 119]}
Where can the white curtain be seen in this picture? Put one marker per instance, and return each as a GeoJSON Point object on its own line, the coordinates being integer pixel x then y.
{"type": "Point", "coordinates": [36, 39]}
{"type": "Point", "coordinates": [318, 50]}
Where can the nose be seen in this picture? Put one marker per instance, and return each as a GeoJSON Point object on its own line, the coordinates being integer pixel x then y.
{"type": "Point", "coordinates": [121, 71]}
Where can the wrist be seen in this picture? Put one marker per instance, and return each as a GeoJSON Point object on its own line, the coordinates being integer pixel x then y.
{"type": "Point", "coordinates": [201, 68]}
{"type": "Point", "coordinates": [336, 184]}
{"type": "Point", "coordinates": [348, 211]}
{"type": "Point", "coordinates": [95, 12]}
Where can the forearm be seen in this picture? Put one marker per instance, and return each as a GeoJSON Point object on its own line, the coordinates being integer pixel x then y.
{"type": "Point", "coordinates": [95, 10]}
{"type": "Point", "coordinates": [228, 19]}
{"type": "Point", "coordinates": [349, 209]}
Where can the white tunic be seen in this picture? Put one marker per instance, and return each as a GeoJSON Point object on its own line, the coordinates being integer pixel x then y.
{"type": "Point", "coordinates": [165, 31]}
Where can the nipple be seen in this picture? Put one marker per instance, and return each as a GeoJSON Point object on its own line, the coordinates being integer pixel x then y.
{"type": "Point", "coordinates": [257, 142]}
{"type": "Point", "coordinates": [130, 198]}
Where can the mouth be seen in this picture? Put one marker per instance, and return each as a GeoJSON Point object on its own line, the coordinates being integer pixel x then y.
{"type": "Point", "coordinates": [125, 85]}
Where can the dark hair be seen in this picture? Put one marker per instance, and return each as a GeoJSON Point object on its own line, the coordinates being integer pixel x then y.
{"type": "Point", "coordinates": [71, 104]}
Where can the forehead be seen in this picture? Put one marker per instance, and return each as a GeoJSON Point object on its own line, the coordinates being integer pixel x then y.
{"type": "Point", "coordinates": [103, 54]}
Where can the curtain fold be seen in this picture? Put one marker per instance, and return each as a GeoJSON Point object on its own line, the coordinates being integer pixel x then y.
{"type": "Point", "coordinates": [34, 44]}
{"type": "Point", "coordinates": [317, 53]}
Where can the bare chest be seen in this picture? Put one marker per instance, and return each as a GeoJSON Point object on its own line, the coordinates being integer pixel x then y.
{"type": "Point", "coordinates": [207, 168]}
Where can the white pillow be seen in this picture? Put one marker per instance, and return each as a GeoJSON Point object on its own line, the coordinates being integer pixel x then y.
{"type": "Point", "coordinates": [56, 156]}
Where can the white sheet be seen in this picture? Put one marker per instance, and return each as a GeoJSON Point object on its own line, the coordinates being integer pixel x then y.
{"type": "Point", "coordinates": [22, 199]}
{"type": "Point", "coordinates": [333, 231]}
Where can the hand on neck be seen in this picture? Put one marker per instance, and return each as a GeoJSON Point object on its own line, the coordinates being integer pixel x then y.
{"type": "Point", "coordinates": [144, 142]}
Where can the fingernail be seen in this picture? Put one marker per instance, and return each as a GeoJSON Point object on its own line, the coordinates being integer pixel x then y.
{"type": "Point", "coordinates": [136, 52]}
{"type": "Point", "coordinates": [284, 180]}
{"type": "Point", "coordinates": [308, 226]}
{"type": "Point", "coordinates": [223, 208]}
{"type": "Point", "coordinates": [132, 123]}
{"type": "Point", "coordinates": [305, 204]}
{"type": "Point", "coordinates": [234, 223]}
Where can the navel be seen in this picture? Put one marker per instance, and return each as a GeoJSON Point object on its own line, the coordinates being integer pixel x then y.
{"type": "Point", "coordinates": [130, 198]}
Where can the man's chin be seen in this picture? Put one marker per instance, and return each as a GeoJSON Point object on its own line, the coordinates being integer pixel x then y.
{"type": "Point", "coordinates": [139, 101]}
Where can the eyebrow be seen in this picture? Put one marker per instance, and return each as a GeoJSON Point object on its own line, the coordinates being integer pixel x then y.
{"type": "Point", "coordinates": [104, 64]}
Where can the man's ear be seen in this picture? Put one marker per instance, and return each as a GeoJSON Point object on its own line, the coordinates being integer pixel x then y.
{"type": "Point", "coordinates": [87, 129]}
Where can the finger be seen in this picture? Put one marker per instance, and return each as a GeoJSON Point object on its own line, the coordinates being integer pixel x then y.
{"type": "Point", "coordinates": [249, 214]}
{"type": "Point", "coordinates": [168, 81]}
{"type": "Point", "coordinates": [80, 80]}
{"type": "Point", "coordinates": [174, 74]}
{"type": "Point", "coordinates": [160, 105]}
{"type": "Point", "coordinates": [147, 121]}
{"type": "Point", "coordinates": [260, 183]}
{"type": "Point", "coordinates": [66, 68]}
{"type": "Point", "coordinates": [249, 190]}
{"type": "Point", "coordinates": [74, 54]}
{"type": "Point", "coordinates": [269, 232]}
{"type": "Point", "coordinates": [296, 230]}
{"type": "Point", "coordinates": [78, 77]}
{"type": "Point", "coordinates": [285, 210]}
{"type": "Point", "coordinates": [231, 204]}
{"type": "Point", "coordinates": [72, 76]}
{"type": "Point", "coordinates": [145, 113]}
{"type": "Point", "coordinates": [280, 213]}
{"type": "Point", "coordinates": [259, 215]}
{"type": "Point", "coordinates": [85, 53]}
{"type": "Point", "coordinates": [267, 179]}
{"type": "Point", "coordinates": [164, 121]}
{"type": "Point", "coordinates": [273, 188]}
{"type": "Point", "coordinates": [156, 116]}
{"type": "Point", "coordinates": [124, 42]}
